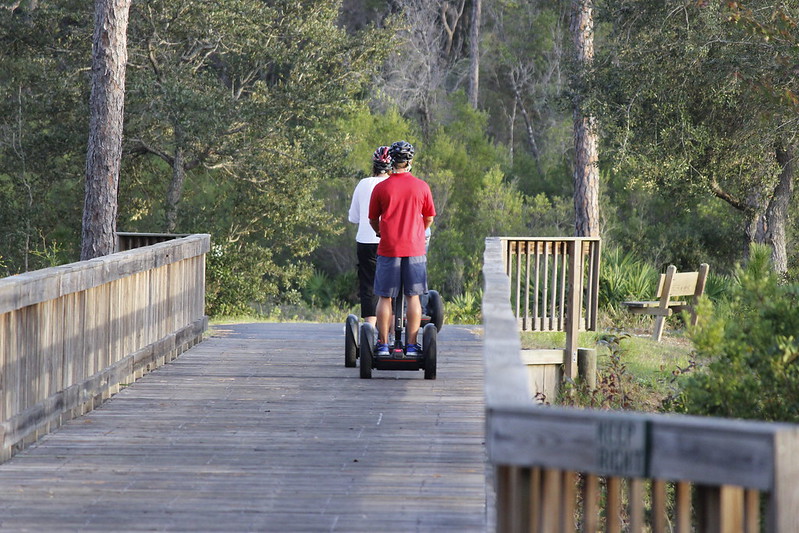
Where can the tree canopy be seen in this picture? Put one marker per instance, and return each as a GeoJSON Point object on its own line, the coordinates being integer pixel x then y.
{"type": "Point", "coordinates": [253, 121]}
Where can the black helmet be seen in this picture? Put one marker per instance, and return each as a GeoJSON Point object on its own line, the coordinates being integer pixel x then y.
{"type": "Point", "coordinates": [381, 160]}
{"type": "Point", "coordinates": [401, 151]}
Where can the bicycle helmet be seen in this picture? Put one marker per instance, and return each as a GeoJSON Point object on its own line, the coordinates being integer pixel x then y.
{"type": "Point", "coordinates": [401, 151]}
{"type": "Point", "coordinates": [381, 161]}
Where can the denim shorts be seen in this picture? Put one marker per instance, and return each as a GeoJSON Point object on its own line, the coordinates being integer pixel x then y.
{"type": "Point", "coordinates": [411, 270]}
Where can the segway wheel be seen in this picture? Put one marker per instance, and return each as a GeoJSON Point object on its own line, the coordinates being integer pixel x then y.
{"type": "Point", "coordinates": [350, 341]}
{"type": "Point", "coordinates": [367, 350]}
{"type": "Point", "coordinates": [435, 309]}
{"type": "Point", "coordinates": [429, 350]}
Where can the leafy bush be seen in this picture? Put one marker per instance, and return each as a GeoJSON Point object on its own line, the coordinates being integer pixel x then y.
{"type": "Point", "coordinates": [623, 277]}
{"type": "Point", "coordinates": [718, 286]}
{"type": "Point", "coordinates": [464, 309]}
{"type": "Point", "coordinates": [240, 275]}
{"type": "Point", "coordinates": [322, 292]}
{"type": "Point", "coordinates": [749, 349]}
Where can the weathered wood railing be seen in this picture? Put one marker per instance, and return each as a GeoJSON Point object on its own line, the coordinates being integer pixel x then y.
{"type": "Point", "coordinates": [129, 241]}
{"type": "Point", "coordinates": [549, 274]}
{"type": "Point", "coordinates": [565, 470]}
{"type": "Point", "coordinates": [555, 287]}
{"type": "Point", "coordinates": [71, 335]}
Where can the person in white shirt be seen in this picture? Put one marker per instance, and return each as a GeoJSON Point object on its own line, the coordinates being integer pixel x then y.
{"type": "Point", "coordinates": [366, 238]}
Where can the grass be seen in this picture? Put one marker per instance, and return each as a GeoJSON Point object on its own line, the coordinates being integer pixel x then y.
{"type": "Point", "coordinates": [286, 313]}
{"type": "Point", "coordinates": [643, 368]}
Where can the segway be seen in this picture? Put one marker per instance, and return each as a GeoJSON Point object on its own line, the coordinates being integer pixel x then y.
{"type": "Point", "coordinates": [397, 358]}
{"type": "Point", "coordinates": [432, 313]}
{"type": "Point", "coordinates": [350, 341]}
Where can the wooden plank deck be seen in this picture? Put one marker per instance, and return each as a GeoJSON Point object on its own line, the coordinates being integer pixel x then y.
{"type": "Point", "coordinates": [262, 428]}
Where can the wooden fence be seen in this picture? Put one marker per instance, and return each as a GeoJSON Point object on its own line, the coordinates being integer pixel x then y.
{"type": "Point", "coordinates": [549, 275]}
{"type": "Point", "coordinates": [129, 241]}
{"type": "Point", "coordinates": [555, 287]}
{"type": "Point", "coordinates": [71, 335]}
{"type": "Point", "coordinates": [565, 470]}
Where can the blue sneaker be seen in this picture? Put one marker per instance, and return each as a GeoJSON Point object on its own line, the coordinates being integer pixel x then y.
{"type": "Point", "coordinates": [381, 349]}
{"type": "Point", "coordinates": [413, 349]}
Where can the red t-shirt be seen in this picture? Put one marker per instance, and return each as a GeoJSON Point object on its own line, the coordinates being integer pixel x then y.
{"type": "Point", "coordinates": [401, 202]}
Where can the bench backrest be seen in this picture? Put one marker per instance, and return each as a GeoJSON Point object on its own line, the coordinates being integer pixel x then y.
{"type": "Point", "coordinates": [683, 283]}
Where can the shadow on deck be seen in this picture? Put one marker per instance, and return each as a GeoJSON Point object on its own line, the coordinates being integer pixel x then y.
{"type": "Point", "coordinates": [262, 428]}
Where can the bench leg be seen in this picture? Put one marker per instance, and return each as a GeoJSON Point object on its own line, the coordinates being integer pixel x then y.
{"type": "Point", "coordinates": [658, 333]}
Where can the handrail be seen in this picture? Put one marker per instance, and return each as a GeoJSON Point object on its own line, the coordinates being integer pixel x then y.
{"type": "Point", "coordinates": [698, 473]}
{"type": "Point", "coordinates": [71, 335]}
{"type": "Point", "coordinates": [126, 240]}
{"type": "Point", "coordinates": [555, 287]}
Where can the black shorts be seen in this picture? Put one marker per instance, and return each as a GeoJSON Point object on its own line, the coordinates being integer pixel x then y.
{"type": "Point", "coordinates": [367, 263]}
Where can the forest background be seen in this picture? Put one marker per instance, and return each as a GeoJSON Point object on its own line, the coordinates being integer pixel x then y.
{"type": "Point", "coordinates": [253, 121]}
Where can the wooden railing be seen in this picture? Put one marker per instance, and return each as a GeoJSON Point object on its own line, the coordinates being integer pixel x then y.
{"type": "Point", "coordinates": [129, 241]}
{"type": "Point", "coordinates": [565, 470]}
{"type": "Point", "coordinates": [548, 275]}
{"type": "Point", "coordinates": [555, 287]}
{"type": "Point", "coordinates": [71, 335]}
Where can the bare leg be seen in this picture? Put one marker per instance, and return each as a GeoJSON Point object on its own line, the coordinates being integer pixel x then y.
{"type": "Point", "coordinates": [414, 317]}
{"type": "Point", "coordinates": [371, 320]}
{"type": "Point", "coordinates": [384, 312]}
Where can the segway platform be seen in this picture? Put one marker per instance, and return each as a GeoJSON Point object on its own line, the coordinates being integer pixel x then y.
{"type": "Point", "coordinates": [432, 313]}
{"type": "Point", "coordinates": [397, 359]}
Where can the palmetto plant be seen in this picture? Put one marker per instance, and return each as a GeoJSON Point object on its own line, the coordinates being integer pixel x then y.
{"type": "Point", "coordinates": [465, 308]}
{"type": "Point", "coordinates": [625, 277]}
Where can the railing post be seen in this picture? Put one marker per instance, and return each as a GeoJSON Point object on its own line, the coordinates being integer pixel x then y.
{"type": "Point", "coordinates": [574, 306]}
{"type": "Point", "coordinates": [781, 514]}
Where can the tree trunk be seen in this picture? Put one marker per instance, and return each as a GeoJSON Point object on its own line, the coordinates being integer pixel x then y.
{"type": "Point", "coordinates": [474, 53]}
{"type": "Point", "coordinates": [528, 127]}
{"type": "Point", "coordinates": [511, 136]}
{"type": "Point", "coordinates": [106, 112]}
{"type": "Point", "coordinates": [755, 216]}
{"type": "Point", "coordinates": [586, 171]}
{"type": "Point", "coordinates": [175, 191]}
{"type": "Point", "coordinates": [777, 211]}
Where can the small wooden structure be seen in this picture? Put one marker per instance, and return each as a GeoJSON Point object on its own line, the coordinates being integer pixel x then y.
{"type": "Point", "coordinates": [556, 288]}
{"type": "Point", "coordinates": [71, 335]}
{"type": "Point", "coordinates": [672, 285]}
{"type": "Point", "coordinates": [564, 470]}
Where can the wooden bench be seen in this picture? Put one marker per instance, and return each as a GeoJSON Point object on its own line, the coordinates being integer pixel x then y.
{"type": "Point", "coordinates": [673, 284]}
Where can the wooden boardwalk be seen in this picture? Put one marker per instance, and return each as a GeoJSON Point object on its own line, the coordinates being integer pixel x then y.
{"type": "Point", "coordinates": [262, 428]}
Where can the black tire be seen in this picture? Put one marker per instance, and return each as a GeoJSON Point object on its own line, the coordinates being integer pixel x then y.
{"type": "Point", "coordinates": [435, 309]}
{"type": "Point", "coordinates": [429, 350]}
{"type": "Point", "coordinates": [367, 350]}
{"type": "Point", "coordinates": [351, 341]}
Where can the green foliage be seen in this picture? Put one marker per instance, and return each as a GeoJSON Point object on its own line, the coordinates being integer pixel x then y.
{"type": "Point", "coordinates": [43, 128]}
{"type": "Point", "coordinates": [321, 292]}
{"type": "Point", "coordinates": [549, 216]}
{"type": "Point", "coordinates": [677, 90]}
{"type": "Point", "coordinates": [624, 276]}
{"type": "Point", "coordinates": [665, 228]}
{"type": "Point", "coordinates": [460, 164]}
{"type": "Point", "coordinates": [245, 99]}
{"type": "Point", "coordinates": [464, 308]}
{"type": "Point", "coordinates": [239, 275]}
{"type": "Point", "coordinates": [749, 349]}
{"type": "Point", "coordinates": [718, 286]}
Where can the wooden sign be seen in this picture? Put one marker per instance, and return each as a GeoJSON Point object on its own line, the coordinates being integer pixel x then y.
{"type": "Point", "coordinates": [622, 448]}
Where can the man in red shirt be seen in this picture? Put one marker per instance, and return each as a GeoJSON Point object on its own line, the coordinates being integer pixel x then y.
{"type": "Point", "coordinates": [400, 211]}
